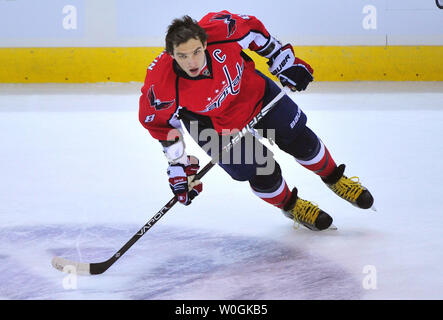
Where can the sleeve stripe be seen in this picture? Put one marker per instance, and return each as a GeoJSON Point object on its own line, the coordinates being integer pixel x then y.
{"type": "Point", "coordinates": [259, 39]}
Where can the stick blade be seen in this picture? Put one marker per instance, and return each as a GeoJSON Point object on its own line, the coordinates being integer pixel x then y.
{"type": "Point", "coordinates": [68, 266]}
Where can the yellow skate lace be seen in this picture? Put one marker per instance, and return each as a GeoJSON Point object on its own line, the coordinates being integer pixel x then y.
{"type": "Point", "coordinates": [348, 188]}
{"type": "Point", "coordinates": [305, 211]}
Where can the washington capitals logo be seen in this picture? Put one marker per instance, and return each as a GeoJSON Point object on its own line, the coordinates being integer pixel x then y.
{"type": "Point", "coordinates": [229, 21]}
{"type": "Point", "coordinates": [156, 103]}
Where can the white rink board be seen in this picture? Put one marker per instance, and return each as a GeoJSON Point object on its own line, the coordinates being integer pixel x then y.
{"type": "Point", "coordinates": [81, 23]}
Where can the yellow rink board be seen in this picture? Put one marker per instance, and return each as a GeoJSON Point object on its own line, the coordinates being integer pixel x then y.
{"type": "Point", "coordinates": [330, 63]}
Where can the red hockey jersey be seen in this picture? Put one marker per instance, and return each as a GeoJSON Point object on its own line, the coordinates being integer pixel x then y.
{"type": "Point", "coordinates": [230, 96]}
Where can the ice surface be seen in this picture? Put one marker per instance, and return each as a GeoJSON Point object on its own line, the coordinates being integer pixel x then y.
{"type": "Point", "coordinates": [80, 176]}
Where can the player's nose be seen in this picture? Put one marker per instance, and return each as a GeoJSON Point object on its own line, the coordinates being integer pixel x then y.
{"type": "Point", "coordinates": [193, 62]}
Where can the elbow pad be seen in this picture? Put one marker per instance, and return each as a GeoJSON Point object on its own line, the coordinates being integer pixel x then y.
{"type": "Point", "coordinates": [175, 151]}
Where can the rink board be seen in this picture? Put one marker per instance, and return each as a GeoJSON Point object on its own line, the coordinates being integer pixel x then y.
{"type": "Point", "coordinates": [125, 64]}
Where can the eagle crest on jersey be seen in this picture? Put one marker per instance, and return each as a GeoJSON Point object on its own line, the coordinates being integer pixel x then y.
{"type": "Point", "coordinates": [229, 21]}
{"type": "Point", "coordinates": [156, 103]}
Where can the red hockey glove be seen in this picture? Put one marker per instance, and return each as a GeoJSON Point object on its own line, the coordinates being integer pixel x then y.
{"type": "Point", "coordinates": [291, 71]}
{"type": "Point", "coordinates": [180, 180]}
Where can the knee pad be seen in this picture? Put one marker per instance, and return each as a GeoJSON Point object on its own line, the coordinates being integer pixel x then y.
{"type": "Point", "coordinates": [267, 183]}
{"type": "Point", "coordinates": [304, 146]}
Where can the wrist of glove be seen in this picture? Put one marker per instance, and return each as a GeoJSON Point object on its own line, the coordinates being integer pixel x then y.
{"type": "Point", "coordinates": [181, 180]}
{"type": "Point", "coordinates": [291, 71]}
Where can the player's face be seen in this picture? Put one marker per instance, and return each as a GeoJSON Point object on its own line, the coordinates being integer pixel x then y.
{"type": "Point", "coordinates": [190, 56]}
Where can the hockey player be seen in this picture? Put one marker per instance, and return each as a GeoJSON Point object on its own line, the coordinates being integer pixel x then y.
{"type": "Point", "coordinates": [205, 76]}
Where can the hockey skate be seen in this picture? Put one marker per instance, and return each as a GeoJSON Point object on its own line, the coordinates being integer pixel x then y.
{"type": "Point", "coordinates": [349, 189]}
{"type": "Point", "coordinates": [306, 213]}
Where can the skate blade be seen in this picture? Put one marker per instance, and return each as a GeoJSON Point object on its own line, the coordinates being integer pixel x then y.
{"type": "Point", "coordinates": [332, 227]}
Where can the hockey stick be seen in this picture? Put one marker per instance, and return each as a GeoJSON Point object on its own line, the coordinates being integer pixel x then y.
{"type": "Point", "coordinates": [84, 268]}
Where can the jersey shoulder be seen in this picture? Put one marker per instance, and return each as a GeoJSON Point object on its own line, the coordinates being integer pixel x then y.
{"type": "Point", "coordinates": [225, 26]}
{"type": "Point", "coordinates": [158, 99]}
{"type": "Point", "coordinates": [159, 67]}
{"type": "Point", "coordinates": [159, 82]}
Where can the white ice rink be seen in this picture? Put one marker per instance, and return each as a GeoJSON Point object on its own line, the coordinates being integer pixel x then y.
{"type": "Point", "coordinates": [80, 175]}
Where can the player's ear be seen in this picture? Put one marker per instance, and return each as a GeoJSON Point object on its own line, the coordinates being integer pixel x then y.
{"type": "Point", "coordinates": [205, 45]}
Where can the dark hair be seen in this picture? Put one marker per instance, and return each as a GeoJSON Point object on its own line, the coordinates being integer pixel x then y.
{"type": "Point", "coordinates": [181, 30]}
